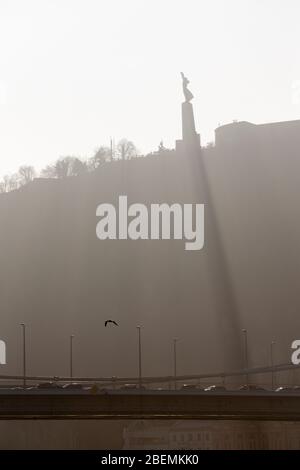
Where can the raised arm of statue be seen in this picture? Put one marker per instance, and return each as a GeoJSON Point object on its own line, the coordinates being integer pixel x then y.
{"type": "Point", "coordinates": [187, 93]}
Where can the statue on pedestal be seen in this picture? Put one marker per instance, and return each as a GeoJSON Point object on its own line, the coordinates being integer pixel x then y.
{"type": "Point", "coordinates": [187, 93]}
{"type": "Point", "coordinates": [190, 142]}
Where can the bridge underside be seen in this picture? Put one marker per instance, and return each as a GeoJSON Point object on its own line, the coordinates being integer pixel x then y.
{"type": "Point", "coordinates": [150, 406]}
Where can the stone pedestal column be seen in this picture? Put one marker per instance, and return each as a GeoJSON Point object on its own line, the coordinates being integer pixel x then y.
{"type": "Point", "coordinates": [190, 139]}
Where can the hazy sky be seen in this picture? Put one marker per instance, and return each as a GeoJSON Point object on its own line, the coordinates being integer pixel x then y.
{"type": "Point", "coordinates": [75, 72]}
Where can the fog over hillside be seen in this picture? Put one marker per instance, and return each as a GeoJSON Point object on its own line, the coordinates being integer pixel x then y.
{"type": "Point", "coordinates": [58, 278]}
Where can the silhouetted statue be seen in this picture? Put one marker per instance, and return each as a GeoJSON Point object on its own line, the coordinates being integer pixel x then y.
{"type": "Point", "coordinates": [187, 93]}
{"type": "Point", "coordinates": [190, 142]}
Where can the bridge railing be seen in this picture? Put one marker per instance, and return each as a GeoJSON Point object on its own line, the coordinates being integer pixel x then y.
{"type": "Point", "coordinates": [114, 381]}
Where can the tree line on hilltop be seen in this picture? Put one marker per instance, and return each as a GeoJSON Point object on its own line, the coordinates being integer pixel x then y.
{"type": "Point", "coordinates": [68, 166]}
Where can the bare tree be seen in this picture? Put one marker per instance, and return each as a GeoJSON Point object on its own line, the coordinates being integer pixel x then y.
{"type": "Point", "coordinates": [161, 147]}
{"type": "Point", "coordinates": [12, 182]}
{"type": "Point", "coordinates": [161, 151]}
{"type": "Point", "coordinates": [102, 154]}
{"type": "Point", "coordinates": [5, 184]}
{"type": "Point", "coordinates": [2, 187]}
{"type": "Point", "coordinates": [126, 149]}
{"type": "Point", "coordinates": [26, 174]}
{"type": "Point", "coordinates": [64, 167]}
{"type": "Point", "coordinates": [49, 171]}
{"type": "Point", "coordinates": [77, 167]}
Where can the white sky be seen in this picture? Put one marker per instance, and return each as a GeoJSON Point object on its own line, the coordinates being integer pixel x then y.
{"type": "Point", "coordinates": [75, 72]}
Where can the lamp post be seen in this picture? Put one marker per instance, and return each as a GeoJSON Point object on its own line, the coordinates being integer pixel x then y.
{"type": "Point", "coordinates": [140, 356]}
{"type": "Point", "coordinates": [175, 361]}
{"type": "Point", "coordinates": [71, 356]}
{"type": "Point", "coordinates": [272, 363]}
{"type": "Point", "coordinates": [24, 352]}
{"type": "Point", "coordinates": [246, 353]}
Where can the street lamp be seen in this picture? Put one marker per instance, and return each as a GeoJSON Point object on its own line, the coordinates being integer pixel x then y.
{"type": "Point", "coordinates": [140, 356]}
{"type": "Point", "coordinates": [246, 353]}
{"type": "Point", "coordinates": [272, 363]}
{"type": "Point", "coordinates": [175, 361]}
{"type": "Point", "coordinates": [24, 352]}
{"type": "Point", "coordinates": [71, 356]}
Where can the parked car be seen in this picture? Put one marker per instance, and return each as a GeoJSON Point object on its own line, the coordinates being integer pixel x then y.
{"type": "Point", "coordinates": [132, 387]}
{"type": "Point", "coordinates": [215, 388]}
{"type": "Point", "coordinates": [189, 387]}
{"type": "Point", "coordinates": [295, 389]}
{"type": "Point", "coordinates": [48, 385]}
{"type": "Point", "coordinates": [252, 388]}
{"type": "Point", "coordinates": [73, 386]}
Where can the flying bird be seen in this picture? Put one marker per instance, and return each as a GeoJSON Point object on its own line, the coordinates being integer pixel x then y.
{"type": "Point", "coordinates": [111, 321]}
